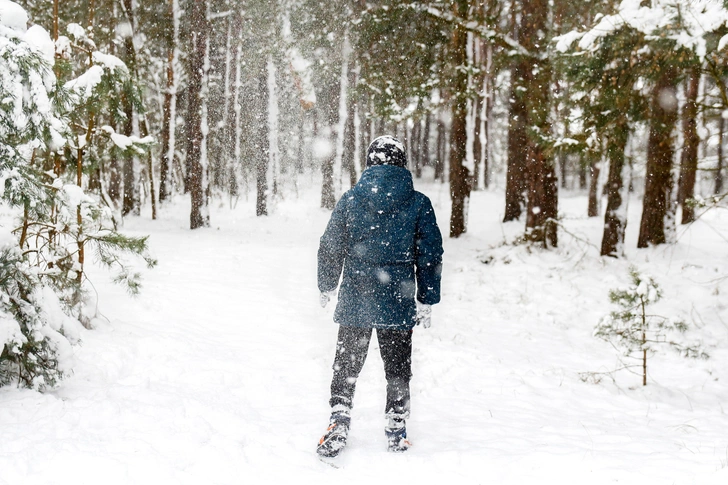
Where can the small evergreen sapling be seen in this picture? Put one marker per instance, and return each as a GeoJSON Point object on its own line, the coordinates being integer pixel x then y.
{"type": "Point", "coordinates": [636, 332]}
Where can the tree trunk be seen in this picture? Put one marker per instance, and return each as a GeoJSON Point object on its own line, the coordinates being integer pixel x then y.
{"type": "Point", "coordinates": [115, 179]}
{"type": "Point", "coordinates": [441, 151]}
{"type": "Point", "coordinates": [415, 148]}
{"type": "Point", "coordinates": [131, 203]}
{"type": "Point", "coordinates": [564, 158]}
{"type": "Point", "coordinates": [719, 169]}
{"type": "Point", "coordinates": [541, 226]}
{"type": "Point", "coordinates": [478, 138]}
{"type": "Point", "coordinates": [564, 169]}
{"type": "Point", "coordinates": [167, 131]}
{"type": "Point", "coordinates": [234, 138]}
{"type": "Point", "coordinates": [328, 107]}
{"type": "Point", "coordinates": [517, 135]}
{"type": "Point", "coordinates": [542, 208]}
{"type": "Point", "coordinates": [488, 122]}
{"type": "Point", "coordinates": [689, 154]}
{"type": "Point", "coordinates": [328, 199]}
{"type": "Point", "coordinates": [301, 142]}
{"type": "Point", "coordinates": [517, 146]}
{"type": "Point", "coordinates": [593, 206]}
{"type": "Point", "coordinates": [349, 157]}
{"type": "Point", "coordinates": [425, 147]}
{"type": "Point", "coordinates": [615, 218]}
{"type": "Point", "coordinates": [366, 128]}
{"type": "Point", "coordinates": [660, 152]}
{"type": "Point", "coordinates": [169, 114]}
{"type": "Point", "coordinates": [350, 146]}
{"type": "Point", "coordinates": [55, 20]}
{"type": "Point", "coordinates": [262, 146]}
{"type": "Point", "coordinates": [459, 172]}
{"type": "Point", "coordinates": [196, 114]}
{"type": "Point", "coordinates": [582, 174]}
{"type": "Point", "coordinates": [274, 157]}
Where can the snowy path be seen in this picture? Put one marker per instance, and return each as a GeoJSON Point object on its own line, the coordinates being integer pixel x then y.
{"type": "Point", "coordinates": [218, 373]}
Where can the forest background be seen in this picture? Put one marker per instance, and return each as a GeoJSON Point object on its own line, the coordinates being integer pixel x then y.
{"type": "Point", "coordinates": [222, 100]}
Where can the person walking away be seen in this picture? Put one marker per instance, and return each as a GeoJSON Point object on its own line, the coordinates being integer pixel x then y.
{"type": "Point", "coordinates": [384, 237]}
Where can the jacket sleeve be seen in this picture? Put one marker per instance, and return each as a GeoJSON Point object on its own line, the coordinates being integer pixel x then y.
{"type": "Point", "coordinates": [332, 249]}
{"type": "Point", "coordinates": [428, 255]}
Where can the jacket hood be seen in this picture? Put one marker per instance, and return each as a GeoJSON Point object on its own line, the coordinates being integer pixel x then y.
{"type": "Point", "coordinates": [385, 187]}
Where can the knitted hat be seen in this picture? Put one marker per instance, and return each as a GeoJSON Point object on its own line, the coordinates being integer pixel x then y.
{"type": "Point", "coordinates": [386, 150]}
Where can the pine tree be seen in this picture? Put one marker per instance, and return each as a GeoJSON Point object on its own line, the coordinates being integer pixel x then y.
{"type": "Point", "coordinates": [627, 73]}
{"type": "Point", "coordinates": [604, 91]}
{"type": "Point", "coordinates": [635, 331]}
{"type": "Point", "coordinates": [42, 279]}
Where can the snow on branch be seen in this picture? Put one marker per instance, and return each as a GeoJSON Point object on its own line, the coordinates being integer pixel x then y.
{"type": "Point", "coordinates": [123, 142]}
{"type": "Point", "coordinates": [86, 83]}
{"type": "Point", "coordinates": [686, 22]}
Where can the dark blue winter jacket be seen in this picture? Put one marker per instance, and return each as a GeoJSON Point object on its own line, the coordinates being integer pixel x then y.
{"type": "Point", "coordinates": [384, 236]}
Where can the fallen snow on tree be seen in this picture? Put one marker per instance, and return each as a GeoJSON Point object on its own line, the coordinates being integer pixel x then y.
{"type": "Point", "coordinates": [85, 84]}
{"type": "Point", "coordinates": [13, 16]}
{"type": "Point", "coordinates": [124, 142]}
{"type": "Point", "coordinates": [108, 61]}
{"type": "Point", "coordinates": [694, 19]}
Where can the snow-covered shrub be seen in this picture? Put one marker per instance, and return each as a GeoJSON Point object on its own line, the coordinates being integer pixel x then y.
{"type": "Point", "coordinates": [35, 331]}
{"type": "Point", "coordinates": [42, 254]}
{"type": "Point", "coordinates": [637, 333]}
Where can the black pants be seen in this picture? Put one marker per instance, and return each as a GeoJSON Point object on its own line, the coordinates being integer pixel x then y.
{"type": "Point", "coordinates": [395, 347]}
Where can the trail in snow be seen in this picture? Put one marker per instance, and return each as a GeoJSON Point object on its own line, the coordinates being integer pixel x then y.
{"type": "Point", "coordinates": [219, 371]}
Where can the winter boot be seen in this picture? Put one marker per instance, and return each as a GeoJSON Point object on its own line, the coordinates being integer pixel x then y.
{"type": "Point", "coordinates": [334, 440]}
{"type": "Point", "coordinates": [396, 432]}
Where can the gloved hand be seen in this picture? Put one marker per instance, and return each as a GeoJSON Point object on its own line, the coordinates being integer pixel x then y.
{"type": "Point", "coordinates": [325, 297]}
{"type": "Point", "coordinates": [424, 315]}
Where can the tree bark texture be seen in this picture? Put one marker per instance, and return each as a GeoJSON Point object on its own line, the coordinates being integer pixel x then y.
{"type": "Point", "coordinates": [425, 147]}
{"type": "Point", "coordinates": [488, 122]}
{"type": "Point", "coordinates": [477, 142]}
{"type": "Point", "coordinates": [233, 126]}
{"type": "Point", "coordinates": [441, 151]}
{"type": "Point", "coordinates": [349, 155]}
{"type": "Point", "coordinates": [150, 169]}
{"type": "Point", "coordinates": [593, 205]}
{"type": "Point", "coordinates": [329, 107]}
{"type": "Point", "coordinates": [542, 203]}
{"type": "Point", "coordinates": [582, 174]}
{"type": "Point", "coordinates": [167, 127]}
{"type": "Point", "coordinates": [660, 152]}
{"type": "Point", "coordinates": [541, 225]}
{"type": "Point", "coordinates": [689, 153]}
{"type": "Point", "coordinates": [131, 203]}
{"type": "Point", "coordinates": [262, 147]}
{"type": "Point", "coordinates": [459, 172]}
{"type": "Point", "coordinates": [517, 147]}
{"type": "Point", "coordinates": [719, 169]}
{"type": "Point", "coordinates": [199, 27]}
{"type": "Point", "coordinates": [615, 217]}
{"type": "Point", "coordinates": [115, 179]}
{"type": "Point", "coordinates": [416, 148]}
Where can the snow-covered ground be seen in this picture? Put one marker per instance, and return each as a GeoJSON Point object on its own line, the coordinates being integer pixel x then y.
{"type": "Point", "coordinates": [218, 373]}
